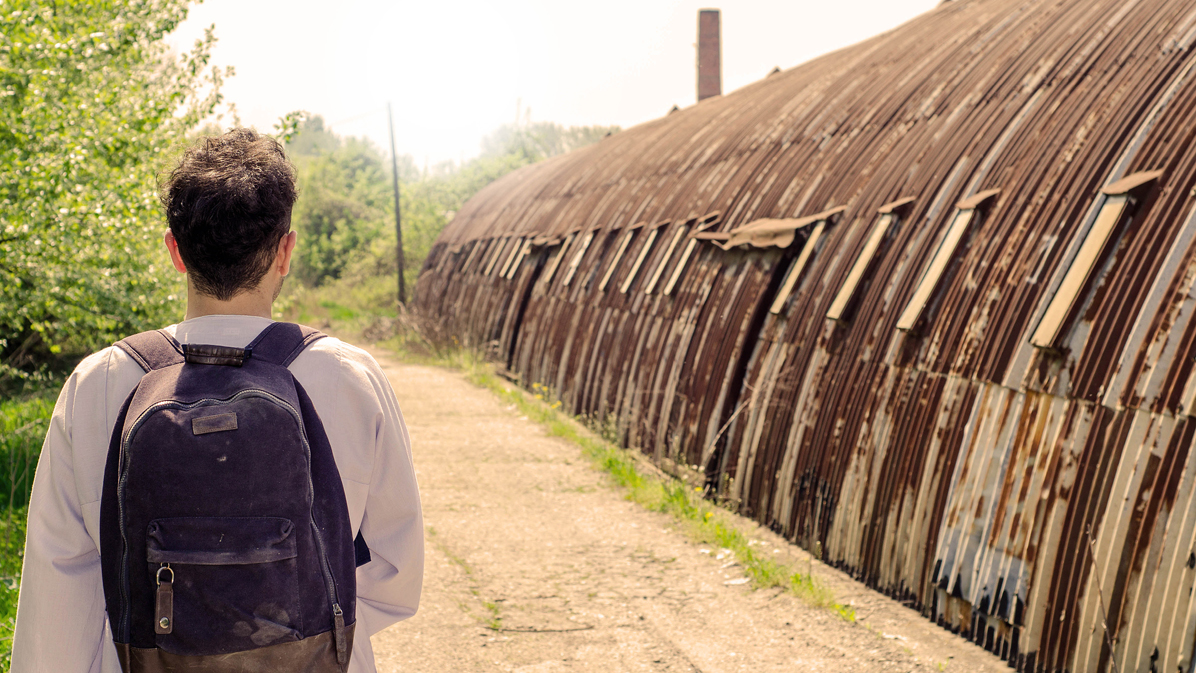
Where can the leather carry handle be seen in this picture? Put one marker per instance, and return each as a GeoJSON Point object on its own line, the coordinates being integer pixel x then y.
{"type": "Point", "coordinates": [215, 355]}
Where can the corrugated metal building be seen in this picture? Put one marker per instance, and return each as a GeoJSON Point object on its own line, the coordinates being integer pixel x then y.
{"type": "Point", "coordinates": [926, 302]}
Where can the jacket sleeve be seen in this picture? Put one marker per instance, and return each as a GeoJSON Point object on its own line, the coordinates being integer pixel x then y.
{"type": "Point", "coordinates": [60, 611]}
{"type": "Point", "coordinates": [388, 587]}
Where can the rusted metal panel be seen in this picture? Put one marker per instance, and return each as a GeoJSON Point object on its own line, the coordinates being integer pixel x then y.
{"type": "Point", "coordinates": [1009, 490]}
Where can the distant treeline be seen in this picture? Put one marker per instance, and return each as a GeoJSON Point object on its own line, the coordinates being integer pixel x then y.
{"type": "Point", "coordinates": [345, 212]}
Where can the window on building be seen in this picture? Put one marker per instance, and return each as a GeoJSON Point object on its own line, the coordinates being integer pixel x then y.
{"type": "Point", "coordinates": [843, 305]}
{"type": "Point", "coordinates": [675, 277]}
{"type": "Point", "coordinates": [966, 212]}
{"type": "Point", "coordinates": [702, 225]}
{"type": "Point", "coordinates": [510, 258]}
{"type": "Point", "coordinates": [521, 255]}
{"type": "Point", "coordinates": [798, 266]}
{"type": "Point", "coordinates": [674, 241]}
{"type": "Point", "coordinates": [555, 262]}
{"type": "Point", "coordinates": [609, 237]}
{"type": "Point", "coordinates": [624, 243]}
{"type": "Point", "coordinates": [475, 251]}
{"type": "Point", "coordinates": [577, 257]}
{"type": "Point", "coordinates": [1100, 240]}
{"type": "Point", "coordinates": [649, 244]}
{"type": "Point", "coordinates": [499, 246]}
{"type": "Point", "coordinates": [446, 255]}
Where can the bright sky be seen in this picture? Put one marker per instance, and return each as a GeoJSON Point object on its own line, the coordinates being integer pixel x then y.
{"type": "Point", "coordinates": [454, 71]}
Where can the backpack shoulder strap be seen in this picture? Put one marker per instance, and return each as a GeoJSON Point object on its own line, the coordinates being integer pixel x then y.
{"type": "Point", "coordinates": [282, 342]}
{"type": "Point", "coordinates": [152, 350]}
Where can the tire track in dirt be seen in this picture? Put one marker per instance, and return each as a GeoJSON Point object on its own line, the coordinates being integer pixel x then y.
{"type": "Point", "coordinates": [535, 565]}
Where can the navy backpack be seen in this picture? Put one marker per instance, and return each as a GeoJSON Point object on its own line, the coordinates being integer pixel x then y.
{"type": "Point", "coordinates": [225, 540]}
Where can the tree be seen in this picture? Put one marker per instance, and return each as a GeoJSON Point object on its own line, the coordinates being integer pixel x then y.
{"type": "Point", "coordinates": [345, 200]}
{"type": "Point", "coordinates": [92, 103]}
{"type": "Point", "coordinates": [345, 212]}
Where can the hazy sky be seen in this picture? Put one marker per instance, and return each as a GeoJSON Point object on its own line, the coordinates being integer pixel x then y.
{"type": "Point", "coordinates": [456, 70]}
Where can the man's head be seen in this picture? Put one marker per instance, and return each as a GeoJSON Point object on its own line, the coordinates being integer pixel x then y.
{"type": "Point", "coordinates": [229, 205]}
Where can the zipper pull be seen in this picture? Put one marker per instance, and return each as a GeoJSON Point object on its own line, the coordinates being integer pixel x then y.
{"type": "Point", "coordinates": [338, 634]}
{"type": "Point", "coordinates": [164, 609]}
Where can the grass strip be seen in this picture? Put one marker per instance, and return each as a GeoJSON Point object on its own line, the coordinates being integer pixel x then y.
{"type": "Point", "coordinates": [701, 520]}
{"type": "Point", "coordinates": [23, 423]}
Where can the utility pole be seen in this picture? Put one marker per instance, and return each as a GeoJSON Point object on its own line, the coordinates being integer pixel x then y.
{"type": "Point", "coordinates": [394, 171]}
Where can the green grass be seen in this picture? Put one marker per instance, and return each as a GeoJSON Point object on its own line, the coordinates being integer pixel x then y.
{"type": "Point", "coordinates": [492, 618]}
{"type": "Point", "coordinates": [700, 519]}
{"type": "Point", "coordinates": [23, 423]}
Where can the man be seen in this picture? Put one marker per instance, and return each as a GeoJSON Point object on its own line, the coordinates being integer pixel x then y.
{"type": "Point", "coordinates": [228, 204]}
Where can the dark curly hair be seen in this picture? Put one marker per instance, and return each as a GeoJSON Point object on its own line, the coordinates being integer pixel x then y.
{"type": "Point", "coordinates": [228, 204]}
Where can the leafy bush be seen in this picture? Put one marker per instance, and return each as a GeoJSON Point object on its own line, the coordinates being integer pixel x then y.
{"type": "Point", "coordinates": [91, 103]}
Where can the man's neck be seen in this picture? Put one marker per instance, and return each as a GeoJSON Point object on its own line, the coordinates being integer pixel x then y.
{"type": "Point", "coordinates": [254, 303]}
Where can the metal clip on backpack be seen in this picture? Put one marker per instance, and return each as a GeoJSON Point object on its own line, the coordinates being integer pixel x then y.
{"type": "Point", "coordinates": [225, 539]}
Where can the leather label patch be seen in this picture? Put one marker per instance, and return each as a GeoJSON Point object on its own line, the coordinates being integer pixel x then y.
{"type": "Point", "coordinates": [217, 423]}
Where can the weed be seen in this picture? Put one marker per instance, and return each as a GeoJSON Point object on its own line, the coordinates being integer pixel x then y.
{"type": "Point", "coordinates": [494, 622]}
{"type": "Point", "coordinates": [493, 617]}
{"type": "Point", "coordinates": [456, 560]}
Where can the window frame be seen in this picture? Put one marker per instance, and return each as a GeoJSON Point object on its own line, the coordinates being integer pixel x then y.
{"type": "Point", "coordinates": [649, 245]}
{"type": "Point", "coordinates": [576, 261]}
{"type": "Point", "coordinates": [680, 268]}
{"type": "Point", "coordinates": [492, 260]}
{"type": "Point", "coordinates": [1117, 209]}
{"type": "Point", "coordinates": [555, 264]}
{"type": "Point", "coordinates": [702, 225]}
{"type": "Point", "coordinates": [475, 251]}
{"type": "Point", "coordinates": [842, 306]}
{"type": "Point", "coordinates": [967, 213]}
{"type": "Point", "coordinates": [628, 237]}
{"type": "Point", "coordinates": [798, 266]}
{"type": "Point", "coordinates": [664, 260]}
{"type": "Point", "coordinates": [524, 250]}
{"type": "Point", "coordinates": [506, 266]}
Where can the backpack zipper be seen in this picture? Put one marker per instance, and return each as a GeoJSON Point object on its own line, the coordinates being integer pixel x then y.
{"type": "Point", "coordinates": [325, 566]}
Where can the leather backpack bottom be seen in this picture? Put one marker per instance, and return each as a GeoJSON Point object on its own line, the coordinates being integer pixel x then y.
{"type": "Point", "coordinates": [316, 654]}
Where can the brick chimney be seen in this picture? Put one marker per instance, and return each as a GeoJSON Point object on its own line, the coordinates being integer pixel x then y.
{"type": "Point", "coordinates": [710, 60]}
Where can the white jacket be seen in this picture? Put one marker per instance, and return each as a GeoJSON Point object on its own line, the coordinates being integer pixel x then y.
{"type": "Point", "coordinates": [61, 621]}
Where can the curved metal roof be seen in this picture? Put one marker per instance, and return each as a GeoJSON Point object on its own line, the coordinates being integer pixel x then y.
{"type": "Point", "coordinates": [926, 301]}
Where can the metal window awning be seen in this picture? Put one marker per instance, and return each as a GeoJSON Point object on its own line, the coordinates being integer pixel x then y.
{"type": "Point", "coordinates": [895, 206]}
{"type": "Point", "coordinates": [770, 232]}
{"type": "Point", "coordinates": [978, 199]}
{"type": "Point", "coordinates": [1131, 182]}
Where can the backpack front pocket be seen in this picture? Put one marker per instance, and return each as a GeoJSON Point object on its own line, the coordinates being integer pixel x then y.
{"type": "Point", "coordinates": [224, 584]}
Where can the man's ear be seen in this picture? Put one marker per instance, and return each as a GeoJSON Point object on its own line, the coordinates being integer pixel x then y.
{"type": "Point", "coordinates": [286, 245]}
{"type": "Point", "coordinates": [172, 246]}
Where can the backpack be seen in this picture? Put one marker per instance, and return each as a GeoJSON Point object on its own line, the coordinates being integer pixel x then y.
{"type": "Point", "coordinates": [225, 540]}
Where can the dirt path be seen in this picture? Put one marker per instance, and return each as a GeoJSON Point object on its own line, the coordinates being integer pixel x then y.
{"type": "Point", "coordinates": [525, 537]}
